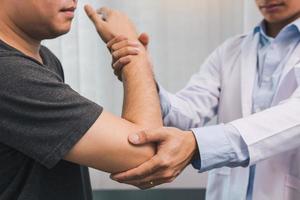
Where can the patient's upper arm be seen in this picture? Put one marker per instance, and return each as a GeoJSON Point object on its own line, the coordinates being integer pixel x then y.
{"type": "Point", "coordinates": [105, 146]}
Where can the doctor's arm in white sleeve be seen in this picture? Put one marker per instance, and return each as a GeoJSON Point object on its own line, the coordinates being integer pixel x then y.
{"type": "Point", "coordinates": [197, 103]}
{"type": "Point", "coordinates": [193, 106]}
{"type": "Point", "coordinates": [272, 131]}
{"type": "Point", "coordinates": [218, 146]}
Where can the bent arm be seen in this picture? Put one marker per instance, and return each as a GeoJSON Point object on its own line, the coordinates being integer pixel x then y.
{"type": "Point", "coordinates": [105, 145]}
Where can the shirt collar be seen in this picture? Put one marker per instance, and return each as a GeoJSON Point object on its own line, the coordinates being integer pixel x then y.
{"type": "Point", "coordinates": [260, 28]}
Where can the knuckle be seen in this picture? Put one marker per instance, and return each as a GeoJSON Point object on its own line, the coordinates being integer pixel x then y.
{"type": "Point", "coordinates": [115, 55]}
{"type": "Point", "coordinates": [127, 42]}
{"type": "Point", "coordinates": [113, 47]}
{"type": "Point", "coordinates": [115, 65]}
{"type": "Point", "coordinates": [125, 60]}
{"type": "Point", "coordinates": [120, 38]}
{"type": "Point", "coordinates": [164, 163]}
{"type": "Point", "coordinates": [122, 61]}
{"type": "Point", "coordinates": [127, 49]}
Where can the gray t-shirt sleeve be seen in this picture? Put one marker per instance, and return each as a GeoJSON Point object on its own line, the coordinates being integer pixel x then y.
{"type": "Point", "coordinates": [40, 115]}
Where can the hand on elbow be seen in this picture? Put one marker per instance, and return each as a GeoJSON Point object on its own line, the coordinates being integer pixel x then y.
{"type": "Point", "coordinates": [175, 149]}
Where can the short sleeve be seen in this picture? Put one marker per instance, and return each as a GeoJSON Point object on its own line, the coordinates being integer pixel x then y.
{"type": "Point", "coordinates": [40, 115]}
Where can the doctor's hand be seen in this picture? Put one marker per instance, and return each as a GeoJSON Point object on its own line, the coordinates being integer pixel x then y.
{"type": "Point", "coordinates": [175, 150]}
{"type": "Point", "coordinates": [110, 23]}
{"type": "Point", "coordinates": [122, 50]}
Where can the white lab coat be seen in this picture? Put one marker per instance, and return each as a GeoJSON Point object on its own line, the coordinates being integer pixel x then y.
{"type": "Point", "coordinates": [272, 136]}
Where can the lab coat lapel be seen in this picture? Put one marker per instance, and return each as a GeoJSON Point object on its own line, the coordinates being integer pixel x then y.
{"type": "Point", "coordinates": [248, 71]}
{"type": "Point", "coordinates": [287, 78]}
{"type": "Point", "coordinates": [294, 59]}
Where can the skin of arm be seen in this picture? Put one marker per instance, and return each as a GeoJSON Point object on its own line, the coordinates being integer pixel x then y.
{"type": "Point", "coordinates": [105, 146]}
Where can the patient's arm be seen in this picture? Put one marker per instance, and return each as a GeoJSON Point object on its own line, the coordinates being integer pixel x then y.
{"type": "Point", "coordinates": [105, 145]}
{"type": "Point", "coordinates": [137, 87]}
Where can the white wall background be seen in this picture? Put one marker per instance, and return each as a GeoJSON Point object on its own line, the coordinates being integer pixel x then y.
{"type": "Point", "coordinates": [183, 33]}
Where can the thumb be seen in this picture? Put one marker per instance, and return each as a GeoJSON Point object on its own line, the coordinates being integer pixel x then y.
{"type": "Point", "coordinates": [93, 15]}
{"type": "Point", "coordinates": [145, 137]}
{"type": "Point", "coordinates": [144, 39]}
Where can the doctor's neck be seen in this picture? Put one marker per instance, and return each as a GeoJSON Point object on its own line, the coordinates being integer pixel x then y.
{"type": "Point", "coordinates": [278, 14]}
{"type": "Point", "coordinates": [273, 28]}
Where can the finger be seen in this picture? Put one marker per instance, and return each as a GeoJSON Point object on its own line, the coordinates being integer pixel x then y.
{"type": "Point", "coordinates": [123, 44]}
{"type": "Point", "coordinates": [159, 174]}
{"type": "Point", "coordinates": [92, 14]}
{"type": "Point", "coordinates": [116, 40]}
{"type": "Point", "coordinates": [144, 170]}
{"type": "Point", "coordinates": [144, 137]}
{"type": "Point", "coordinates": [155, 183]}
{"type": "Point", "coordinates": [149, 184]}
{"type": "Point", "coordinates": [144, 39]}
{"type": "Point", "coordinates": [105, 10]}
{"type": "Point", "coordinates": [117, 66]}
{"type": "Point", "coordinates": [126, 51]}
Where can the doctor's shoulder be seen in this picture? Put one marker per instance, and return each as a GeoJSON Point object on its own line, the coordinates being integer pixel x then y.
{"type": "Point", "coordinates": [231, 48]}
{"type": "Point", "coordinates": [234, 42]}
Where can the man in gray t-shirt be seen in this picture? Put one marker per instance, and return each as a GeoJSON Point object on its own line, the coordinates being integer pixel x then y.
{"type": "Point", "coordinates": [47, 130]}
{"type": "Point", "coordinates": [41, 118]}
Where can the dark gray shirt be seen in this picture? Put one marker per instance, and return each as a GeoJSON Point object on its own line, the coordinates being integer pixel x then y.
{"type": "Point", "coordinates": [41, 119]}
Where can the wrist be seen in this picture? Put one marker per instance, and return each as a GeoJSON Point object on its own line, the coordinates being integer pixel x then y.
{"type": "Point", "coordinates": [140, 66]}
{"type": "Point", "coordinates": [194, 152]}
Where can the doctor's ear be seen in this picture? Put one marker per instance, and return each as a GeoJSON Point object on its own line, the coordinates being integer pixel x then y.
{"type": "Point", "coordinates": [144, 39]}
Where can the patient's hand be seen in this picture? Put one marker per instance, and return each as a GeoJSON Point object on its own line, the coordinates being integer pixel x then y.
{"type": "Point", "coordinates": [111, 23]}
{"type": "Point", "coordinates": [122, 50]}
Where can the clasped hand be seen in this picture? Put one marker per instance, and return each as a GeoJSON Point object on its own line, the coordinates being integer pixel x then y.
{"type": "Point", "coordinates": [175, 150]}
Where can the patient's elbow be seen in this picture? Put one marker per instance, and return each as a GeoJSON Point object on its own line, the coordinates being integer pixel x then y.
{"type": "Point", "coordinates": [137, 156]}
{"type": "Point", "coordinates": [147, 153]}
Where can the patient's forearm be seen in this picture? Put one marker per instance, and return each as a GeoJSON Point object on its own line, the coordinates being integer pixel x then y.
{"type": "Point", "coordinates": [141, 102]}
